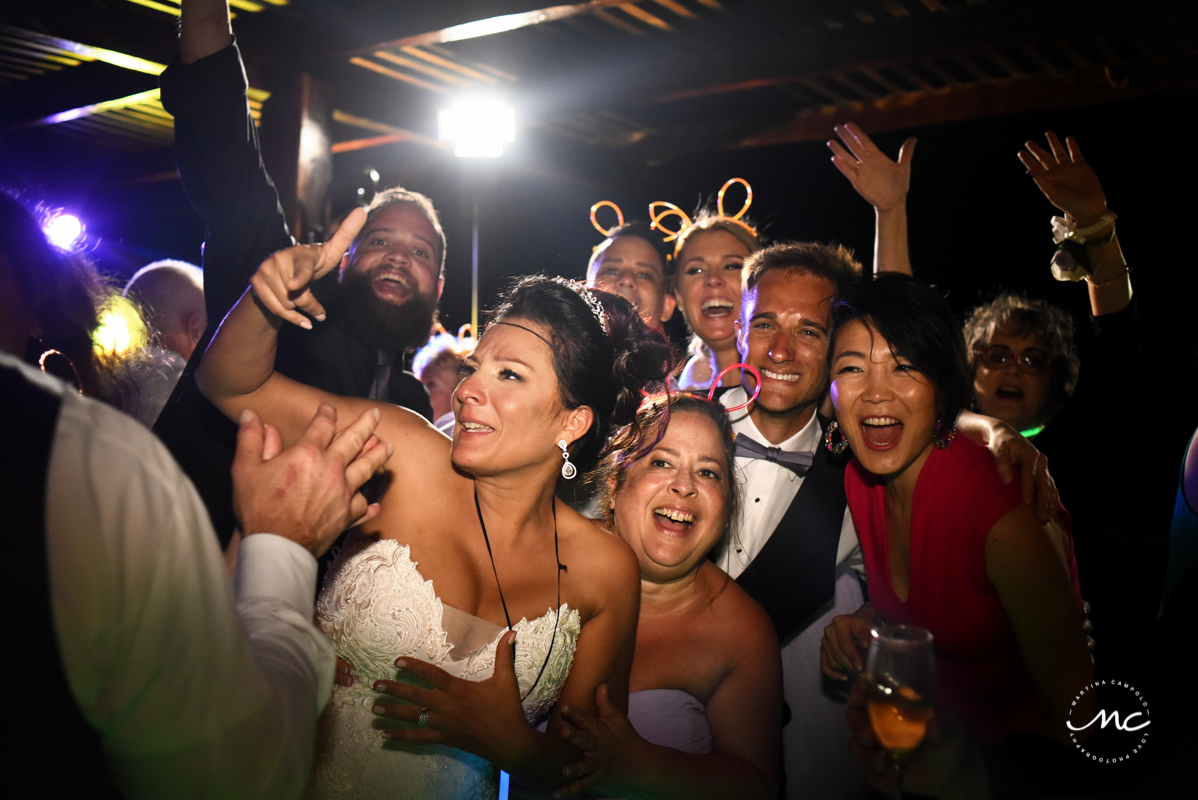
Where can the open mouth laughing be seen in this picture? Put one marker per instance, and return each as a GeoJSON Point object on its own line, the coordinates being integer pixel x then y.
{"type": "Point", "coordinates": [881, 433]}
{"type": "Point", "coordinates": [674, 520]}
{"type": "Point", "coordinates": [717, 307]}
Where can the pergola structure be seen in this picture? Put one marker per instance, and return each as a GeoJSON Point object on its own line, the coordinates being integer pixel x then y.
{"type": "Point", "coordinates": [641, 81]}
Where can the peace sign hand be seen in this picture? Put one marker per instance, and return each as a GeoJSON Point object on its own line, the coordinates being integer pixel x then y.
{"type": "Point", "coordinates": [282, 282]}
{"type": "Point", "coordinates": [1066, 179]}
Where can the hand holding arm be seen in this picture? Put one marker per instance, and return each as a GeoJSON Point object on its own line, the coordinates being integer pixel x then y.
{"type": "Point", "coordinates": [1011, 451]}
{"type": "Point", "coordinates": [307, 493]}
{"type": "Point", "coordinates": [884, 185]}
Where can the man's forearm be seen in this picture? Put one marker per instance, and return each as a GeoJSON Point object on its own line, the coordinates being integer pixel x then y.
{"type": "Point", "coordinates": [203, 29]}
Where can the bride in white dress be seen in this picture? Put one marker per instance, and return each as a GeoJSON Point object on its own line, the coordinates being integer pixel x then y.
{"type": "Point", "coordinates": [468, 538]}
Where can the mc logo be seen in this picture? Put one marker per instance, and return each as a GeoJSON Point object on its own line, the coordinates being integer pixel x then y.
{"type": "Point", "coordinates": [1120, 706]}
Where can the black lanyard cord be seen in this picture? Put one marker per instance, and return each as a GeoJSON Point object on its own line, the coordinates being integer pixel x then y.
{"type": "Point", "coordinates": [557, 612]}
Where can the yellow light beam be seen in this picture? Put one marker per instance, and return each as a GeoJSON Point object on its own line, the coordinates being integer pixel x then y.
{"type": "Point", "coordinates": [93, 109]}
{"type": "Point", "coordinates": [87, 52]}
{"type": "Point", "coordinates": [158, 7]}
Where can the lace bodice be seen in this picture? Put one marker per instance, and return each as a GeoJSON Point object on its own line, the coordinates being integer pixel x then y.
{"type": "Point", "coordinates": [376, 607]}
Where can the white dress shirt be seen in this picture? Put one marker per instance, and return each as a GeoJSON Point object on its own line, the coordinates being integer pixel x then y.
{"type": "Point", "coordinates": [768, 490]}
{"type": "Point", "coordinates": [815, 750]}
{"type": "Point", "coordinates": [195, 691]}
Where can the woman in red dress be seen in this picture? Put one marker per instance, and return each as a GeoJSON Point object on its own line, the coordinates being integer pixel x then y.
{"type": "Point", "coordinates": [948, 546]}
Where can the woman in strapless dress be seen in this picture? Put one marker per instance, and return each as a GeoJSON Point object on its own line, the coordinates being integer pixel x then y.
{"type": "Point", "coordinates": [704, 713]}
{"type": "Point", "coordinates": [469, 537]}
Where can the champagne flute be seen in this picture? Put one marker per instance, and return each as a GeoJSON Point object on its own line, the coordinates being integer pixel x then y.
{"type": "Point", "coordinates": [901, 679]}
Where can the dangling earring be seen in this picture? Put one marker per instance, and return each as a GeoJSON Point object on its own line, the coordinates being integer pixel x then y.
{"type": "Point", "coordinates": [942, 439]}
{"type": "Point", "coordinates": [835, 446]}
{"type": "Point", "coordinates": [568, 469]}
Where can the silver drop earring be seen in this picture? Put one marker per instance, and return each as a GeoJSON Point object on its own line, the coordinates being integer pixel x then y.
{"type": "Point", "coordinates": [568, 469]}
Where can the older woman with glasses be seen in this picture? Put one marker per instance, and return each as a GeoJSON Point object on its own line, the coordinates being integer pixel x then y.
{"type": "Point", "coordinates": [1023, 360]}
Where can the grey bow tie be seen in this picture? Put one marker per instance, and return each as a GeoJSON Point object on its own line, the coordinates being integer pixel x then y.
{"type": "Point", "coordinates": [799, 463]}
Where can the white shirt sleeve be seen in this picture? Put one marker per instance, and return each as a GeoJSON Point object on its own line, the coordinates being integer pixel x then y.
{"type": "Point", "coordinates": [189, 701]}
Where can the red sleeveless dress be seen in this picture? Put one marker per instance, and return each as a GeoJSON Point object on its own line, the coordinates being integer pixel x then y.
{"type": "Point", "coordinates": [958, 497]}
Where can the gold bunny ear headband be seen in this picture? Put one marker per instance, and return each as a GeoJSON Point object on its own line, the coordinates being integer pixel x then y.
{"type": "Point", "coordinates": [685, 223]}
{"type": "Point", "coordinates": [594, 220]}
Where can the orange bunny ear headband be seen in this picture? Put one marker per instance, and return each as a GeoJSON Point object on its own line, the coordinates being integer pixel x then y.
{"type": "Point", "coordinates": [685, 223]}
{"type": "Point", "coordinates": [594, 221]}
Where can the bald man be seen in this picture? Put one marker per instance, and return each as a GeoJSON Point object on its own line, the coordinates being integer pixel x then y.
{"type": "Point", "coordinates": [171, 294]}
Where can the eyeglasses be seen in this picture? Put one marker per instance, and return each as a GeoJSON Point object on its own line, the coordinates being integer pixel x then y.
{"type": "Point", "coordinates": [1032, 362]}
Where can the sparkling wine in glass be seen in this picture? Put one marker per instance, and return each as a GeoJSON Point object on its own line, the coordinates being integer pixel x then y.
{"type": "Point", "coordinates": [901, 689]}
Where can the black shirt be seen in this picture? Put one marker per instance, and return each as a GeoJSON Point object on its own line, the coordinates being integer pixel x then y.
{"type": "Point", "coordinates": [216, 147]}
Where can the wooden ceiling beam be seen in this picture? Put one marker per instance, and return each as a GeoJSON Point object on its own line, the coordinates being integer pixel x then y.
{"type": "Point", "coordinates": [978, 101]}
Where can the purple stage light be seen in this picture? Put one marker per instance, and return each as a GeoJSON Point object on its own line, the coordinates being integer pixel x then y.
{"type": "Point", "coordinates": [64, 231]}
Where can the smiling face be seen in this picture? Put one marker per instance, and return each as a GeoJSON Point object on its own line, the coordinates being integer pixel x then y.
{"type": "Point", "coordinates": [886, 407]}
{"type": "Point", "coordinates": [1008, 392]}
{"type": "Point", "coordinates": [672, 507]}
{"type": "Point", "coordinates": [630, 267]}
{"type": "Point", "coordinates": [708, 285]}
{"type": "Point", "coordinates": [783, 332]}
{"type": "Point", "coordinates": [509, 415]}
{"type": "Point", "coordinates": [397, 253]}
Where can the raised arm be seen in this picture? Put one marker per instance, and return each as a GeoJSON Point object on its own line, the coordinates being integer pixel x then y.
{"type": "Point", "coordinates": [884, 185]}
{"type": "Point", "coordinates": [1038, 599]}
{"type": "Point", "coordinates": [217, 152]}
{"type": "Point", "coordinates": [1071, 185]}
{"type": "Point", "coordinates": [204, 28]}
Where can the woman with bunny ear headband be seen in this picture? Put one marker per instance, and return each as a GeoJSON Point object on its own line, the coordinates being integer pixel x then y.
{"type": "Point", "coordinates": [708, 254]}
{"type": "Point", "coordinates": [631, 262]}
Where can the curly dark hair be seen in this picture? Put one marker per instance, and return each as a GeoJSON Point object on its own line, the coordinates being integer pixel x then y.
{"type": "Point", "coordinates": [633, 442]}
{"type": "Point", "coordinates": [603, 369]}
{"type": "Point", "coordinates": [1016, 315]}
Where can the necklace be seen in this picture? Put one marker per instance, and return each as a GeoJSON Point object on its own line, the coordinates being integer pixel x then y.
{"type": "Point", "coordinates": [557, 612]}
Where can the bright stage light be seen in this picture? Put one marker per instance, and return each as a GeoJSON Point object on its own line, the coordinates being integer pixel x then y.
{"type": "Point", "coordinates": [64, 231]}
{"type": "Point", "coordinates": [478, 128]}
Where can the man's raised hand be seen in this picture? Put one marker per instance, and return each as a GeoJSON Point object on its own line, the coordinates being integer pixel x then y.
{"type": "Point", "coordinates": [309, 492]}
{"type": "Point", "coordinates": [282, 282]}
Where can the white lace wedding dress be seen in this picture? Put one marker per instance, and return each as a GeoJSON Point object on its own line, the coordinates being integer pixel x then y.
{"type": "Point", "coordinates": [376, 607]}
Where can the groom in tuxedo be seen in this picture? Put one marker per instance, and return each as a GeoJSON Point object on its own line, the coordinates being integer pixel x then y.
{"type": "Point", "coordinates": [796, 551]}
